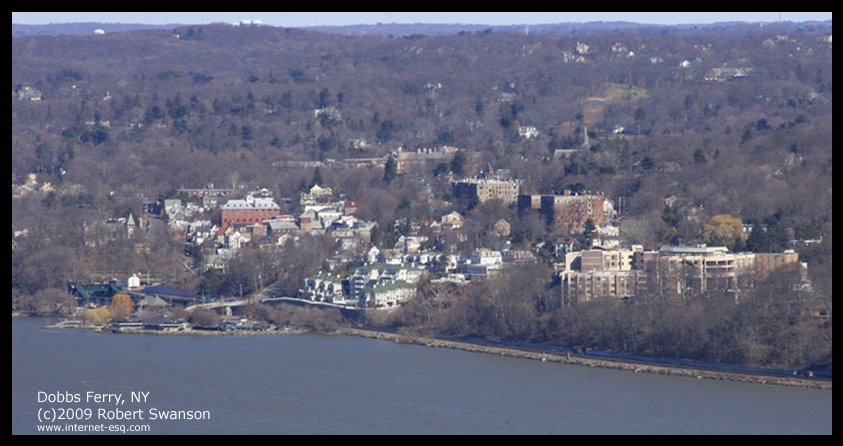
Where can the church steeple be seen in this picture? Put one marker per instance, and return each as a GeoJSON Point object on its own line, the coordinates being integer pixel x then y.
{"type": "Point", "coordinates": [130, 225]}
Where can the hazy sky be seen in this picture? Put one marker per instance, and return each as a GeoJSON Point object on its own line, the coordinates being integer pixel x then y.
{"type": "Point", "coordinates": [350, 18]}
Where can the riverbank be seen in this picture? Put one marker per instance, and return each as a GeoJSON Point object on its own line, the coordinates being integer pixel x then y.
{"type": "Point", "coordinates": [514, 352]}
{"type": "Point", "coordinates": [184, 332]}
{"type": "Point", "coordinates": [586, 361]}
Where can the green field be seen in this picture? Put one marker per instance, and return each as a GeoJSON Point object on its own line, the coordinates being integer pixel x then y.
{"type": "Point", "coordinates": [621, 92]}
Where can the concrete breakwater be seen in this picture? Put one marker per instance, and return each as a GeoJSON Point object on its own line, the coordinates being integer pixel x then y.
{"type": "Point", "coordinates": [586, 361]}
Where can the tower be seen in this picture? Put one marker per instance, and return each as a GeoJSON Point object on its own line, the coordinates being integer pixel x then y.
{"type": "Point", "coordinates": [130, 225]}
{"type": "Point", "coordinates": [585, 144]}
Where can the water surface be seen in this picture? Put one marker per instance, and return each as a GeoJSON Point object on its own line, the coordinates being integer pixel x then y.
{"type": "Point", "coordinates": [300, 384]}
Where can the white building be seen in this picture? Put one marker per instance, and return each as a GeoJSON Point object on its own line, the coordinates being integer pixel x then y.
{"type": "Point", "coordinates": [486, 257]}
{"type": "Point", "coordinates": [528, 132]}
{"type": "Point", "coordinates": [389, 295]}
{"type": "Point", "coordinates": [133, 282]}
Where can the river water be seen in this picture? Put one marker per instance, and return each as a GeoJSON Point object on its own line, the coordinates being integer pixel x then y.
{"type": "Point", "coordinates": [310, 384]}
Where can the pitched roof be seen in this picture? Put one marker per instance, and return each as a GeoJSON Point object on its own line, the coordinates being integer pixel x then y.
{"type": "Point", "coordinates": [152, 301]}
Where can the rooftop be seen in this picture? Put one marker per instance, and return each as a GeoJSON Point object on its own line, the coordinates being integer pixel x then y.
{"type": "Point", "coordinates": [698, 249]}
{"type": "Point", "coordinates": [397, 285]}
{"type": "Point", "coordinates": [256, 203]}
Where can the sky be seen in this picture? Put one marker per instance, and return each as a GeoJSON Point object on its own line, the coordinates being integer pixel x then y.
{"type": "Point", "coordinates": [294, 19]}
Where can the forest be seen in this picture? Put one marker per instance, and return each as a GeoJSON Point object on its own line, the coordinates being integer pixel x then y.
{"type": "Point", "coordinates": [112, 121]}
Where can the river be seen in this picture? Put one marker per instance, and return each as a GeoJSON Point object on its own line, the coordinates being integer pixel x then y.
{"type": "Point", "coordinates": [312, 384]}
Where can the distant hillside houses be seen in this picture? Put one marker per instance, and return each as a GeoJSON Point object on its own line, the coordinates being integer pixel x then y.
{"type": "Point", "coordinates": [723, 74]}
{"type": "Point", "coordinates": [375, 286]}
{"type": "Point", "coordinates": [256, 221]}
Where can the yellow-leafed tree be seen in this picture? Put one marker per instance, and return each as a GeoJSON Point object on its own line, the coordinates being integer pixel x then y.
{"type": "Point", "coordinates": [121, 307]}
{"type": "Point", "coordinates": [722, 229]}
{"type": "Point", "coordinates": [97, 316]}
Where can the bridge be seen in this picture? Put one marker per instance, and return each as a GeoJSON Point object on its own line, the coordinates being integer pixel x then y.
{"type": "Point", "coordinates": [222, 303]}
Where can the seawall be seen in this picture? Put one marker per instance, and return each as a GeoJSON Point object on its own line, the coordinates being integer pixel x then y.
{"type": "Point", "coordinates": [588, 362]}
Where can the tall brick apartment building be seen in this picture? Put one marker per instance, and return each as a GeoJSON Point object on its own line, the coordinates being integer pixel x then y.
{"type": "Point", "coordinates": [568, 212]}
{"type": "Point", "coordinates": [490, 186]}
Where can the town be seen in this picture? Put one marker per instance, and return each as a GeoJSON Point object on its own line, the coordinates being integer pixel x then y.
{"type": "Point", "coordinates": [589, 259]}
{"type": "Point", "coordinates": [608, 188]}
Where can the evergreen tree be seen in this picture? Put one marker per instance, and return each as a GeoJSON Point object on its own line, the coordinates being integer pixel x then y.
{"type": "Point", "coordinates": [317, 178]}
{"type": "Point", "coordinates": [390, 170]}
{"type": "Point", "coordinates": [458, 163]}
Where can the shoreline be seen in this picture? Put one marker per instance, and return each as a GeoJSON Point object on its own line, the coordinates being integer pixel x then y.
{"type": "Point", "coordinates": [513, 352]}
{"type": "Point", "coordinates": [587, 362]}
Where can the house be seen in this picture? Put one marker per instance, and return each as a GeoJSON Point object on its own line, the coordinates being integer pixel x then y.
{"type": "Point", "coordinates": [451, 221]}
{"type": "Point", "coordinates": [583, 49]}
{"type": "Point", "coordinates": [518, 257]}
{"type": "Point", "coordinates": [483, 262]}
{"type": "Point", "coordinates": [528, 132]}
{"type": "Point", "coordinates": [410, 244]}
{"type": "Point", "coordinates": [30, 93]}
{"type": "Point", "coordinates": [446, 264]}
{"type": "Point", "coordinates": [502, 228]}
{"type": "Point", "coordinates": [350, 207]}
{"type": "Point", "coordinates": [486, 257]}
{"type": "Point", "coordinates": [307, 220]}
{"type": "Point", "coordinates": [279, 227]}
{"type": "Point", "coordinates": [216, 261]}
{"type": "Point", "coordinates": [133, 282]}
{"type": "Point", "coordinates": [172, 206]}
{"type": "Point", "coordinates": [373, 254]}
{"type": "Point", "coordinates": [258, 230]}
{"type": "Point", "coordinates": [285, 238]}
{"type": "Point", "coordinates": [363, 231]}
{"type": "Point", "coordinates": [506, 97]}
{"type": "Point", "coordinates": [210, 201]}
{"type": "Point", "coordinates": [316, 195]}
{"type": "Point", "coordinates": [563, 153]}
{"type": "Point", "coordinates": [328, 216]}
{"type": "Point", "coordinates": [722, 74]}
{"type": "Point", "coordinates": [341, 259]}
{"type": "Point", "coordinates": [324, 287]}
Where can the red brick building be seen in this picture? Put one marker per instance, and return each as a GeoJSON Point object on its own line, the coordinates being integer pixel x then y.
{"type": "Point", "coordinates": [568, 212]}
{"type": "Point", "coordinates": [249, 211]}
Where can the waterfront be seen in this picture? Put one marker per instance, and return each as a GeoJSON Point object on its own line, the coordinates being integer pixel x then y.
{"type": "Point", "coordinates": [330, 384]}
